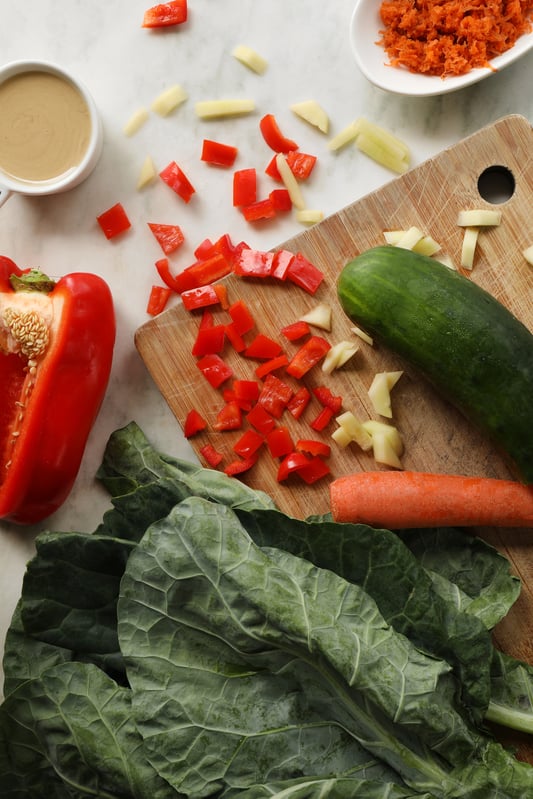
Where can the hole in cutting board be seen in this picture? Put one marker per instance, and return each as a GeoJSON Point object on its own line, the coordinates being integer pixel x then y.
{"type": "Point", "coordinates": [496, 184]}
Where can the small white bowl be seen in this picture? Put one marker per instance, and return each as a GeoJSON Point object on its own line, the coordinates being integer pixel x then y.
{"type": "Point", "coordinates": [372, 59]}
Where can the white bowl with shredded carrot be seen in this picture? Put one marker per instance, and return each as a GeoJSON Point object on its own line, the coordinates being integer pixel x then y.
{"type": "Point", "coordinates": [418, 48]}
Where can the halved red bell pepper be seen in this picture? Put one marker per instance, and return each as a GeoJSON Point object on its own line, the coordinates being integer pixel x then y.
{"type": "Point", "coordinates": [164, 15]}
{"type": "Point", "coordinates": [56, 351]}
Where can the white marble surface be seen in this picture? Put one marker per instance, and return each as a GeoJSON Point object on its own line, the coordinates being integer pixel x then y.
{"type": "Point", "coordinates": [125, 67]}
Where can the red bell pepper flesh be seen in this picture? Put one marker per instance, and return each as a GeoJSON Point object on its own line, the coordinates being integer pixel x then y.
{"type": "Point", "coordinates": [282, 262]}
{"type": "Point", "coordinates": [249, 443]}
{"type": "Point", "coordinates": [326, 398]}
{"type": "Point", "coordinates": [279, 442]}
{"type": "Point", "coordinates": [194, 423]}
{"type": "Point", "coordinates": [281, 200]}
{"type": "Point", "coordinates": [177, 180]}
{"type": "Point", "coordinates": [261, 420]}
{"type": "Point", "coordinates": [272, 169]}
{"type": "Point", "coordinates": [241, 316]}
{"type": "Point", "coordinates": [240, 466]}
{"type": "Point", "coordinates": [169, 237]}
{"type": "Point", "coordinates": [314, 470]}
{"type": "Point", "coordinates": [200, 297]}
{"type": "Point", "coordinates": [209, 340]}
{"type": "Point", "coordinates": [299, 402]}
{"type": "Point", "coordinates": [292, 463]}
{"type": "Point", "coordinates": [321, 421]}
{"type": "Point", "coordinates": [215, 370]}
{"type": "Point", "coordinates": [158, 299]}
{"type": "Point", "coordinates": [165, 14]}
{"type": "Point", "coordinates": [274, 396]}
{"type": "Point", "coordinates": [304, 274]}
{"type": "Point", "coordinates": [262, 347]}
{"type": "Point", "coordinates": [235, 338]}
{"type": "Point", "coordinates": [253, 263]}
{"type": "Point", "coordinates": [313, 447]}
{"type": "Point", "coordinates": [301, 164]}
{"type": "Point", "coordinates": [207, 271]}
{"type": "Point", "coordinates": [274, 137]}
{"type": "Point", "coordinates": [271, 365]}
{"type": "Point", "coordinates": [218, 154]}
{"type": "Point", "coordinates": [204, 249]}
{"type": "Point", "coordinates": [163, 269]}
{"type": "Point", "coordinates": [244, 187]}
{"type": "Point", "coordinates": [114, 221]}
{"type": "Point", "coordinates": [261, 209]}
{"type": "Point", "coordinates": [307, 356]}
{"type": "Point", "coordinates": [211, 455]}
{"type": "Point", "coordinates": [296, 330]}
{"type": "Point", "coordinates": [246, 390]}
{"type": "Point", "coordinates": [229, 417]}
{"type": "Point", "coordinates": [60, 394]}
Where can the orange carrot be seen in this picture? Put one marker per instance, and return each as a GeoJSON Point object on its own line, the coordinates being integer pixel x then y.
{"type": "Point", "coordinates": [397, 500]}
{"type": "Point", "coordinates": [451, 37]}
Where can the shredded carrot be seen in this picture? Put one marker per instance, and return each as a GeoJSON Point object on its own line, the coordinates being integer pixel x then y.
{"type": "Point", "coordinates": [451, 37]}
{"type": "Point", "coordinates": [399, 500]}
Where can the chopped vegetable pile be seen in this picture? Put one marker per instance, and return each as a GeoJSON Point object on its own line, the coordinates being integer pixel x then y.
{"type": "Point", "coordinates": [450, 37]}
{"type": "Point", "coordinates": [202, 643]}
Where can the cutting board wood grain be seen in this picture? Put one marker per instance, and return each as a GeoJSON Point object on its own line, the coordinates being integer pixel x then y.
{"type": "Point", "coordinates": [436, 436]}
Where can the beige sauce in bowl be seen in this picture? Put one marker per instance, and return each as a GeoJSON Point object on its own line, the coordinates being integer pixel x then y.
{"type": "Point", "coordinates": [45, 126]}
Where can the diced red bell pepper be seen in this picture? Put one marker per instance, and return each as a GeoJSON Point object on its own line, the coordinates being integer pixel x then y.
{"type": "Point", "coordinates": [55, 361]}
{"type": "Point", "coordinates": [314, 470]}
{"type": "Point", "coordinates": [274, 395]}
{"type": "Point", "coordinates": [280, 362]}
{"type": "Point", "coordinates": [215, 370]}
{"type": "Point", "coordinates": [200, 297]}
{"type": "Point", "coordinates": [308, 355]}
{"type": "Point", "coordinates": [321, 421]}
{"type": "Point", "coordinates": [244, 187]}
{"type": "Point", "coordinates": [235, 338]}
{"type": "Point", "coordinates": [293, 462]}
{"type": "Point", "coordinates": [299, 402]}
{"type": "Point", "coordinates": [281, 200]}
{"type": "Point", "coordinates": [169, 237]}
{"type": "Point", "coordinates": [249, 443]}
{"type": "Point", "coordinates": [114, 221]}
{"type": "Point", "coordinates": [158, 299]}
{"type": "Point", "coordinates": [204, 250]}
{"type": "Point", "coordinates": [207, 319]}
{"type": "Point", "coordinates": [208, 340]}
{"type": "Point", "coordinates": [261, 209]}
{"type": "Point", "coordinates": [218, 154]}
{"type": "Point", "coordinates": [253, 263]}
{"type": "Point", "coordinates": [194, 423]}
{"type": "Point", "coordinates": [177, 180]}
{"type": "Point", "coordinates": [246, 390]}
{"type": "Point", "coordinates": [274, 137]}
{"type": "Point", "coordinates": [206, 271]}
{"type": "Point", "coordinates": [301, 164]}
{"type": "Point", "coordinates": [326, 398]}
{"type": "Point", "coordinates": [239, 466]}
{"type": "Point", "coordinates": [229, 417]}
{"type": "Point", "coordinates": [165, 14]}
{"type": "Point", "coordinates": [272, 169]}
{"type": "Point", "coordinates": [175, 283]}
{"type": "Point", "coordinates": [304, 274]}
{"type": "Point", "coordinates": [282, 261]}
{"type": "Point", "coordinates": [211, 455]}
{"type": "Point", "coordinates": [261, 420]}
{"type": "Point", "coordinates": [279, 442]}
{"type": "Point", "coordinates": [313, 447]}
{"type": "Point", "coordinates": [241, 316]}
{"type": "Point", "coordinates": [262, 347]}
{"type": "Point", "coordinates": [222, 292]}
{"type": "Point", "coordinates": [296, 330]}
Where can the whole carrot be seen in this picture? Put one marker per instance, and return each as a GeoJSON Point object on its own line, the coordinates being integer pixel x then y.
{"type": "Point", "coordinates": [397, 500]}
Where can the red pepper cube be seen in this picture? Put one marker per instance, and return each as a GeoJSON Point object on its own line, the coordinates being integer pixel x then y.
{"type": "Point", "coordinates": [235, 338]}
{"type": "Point", "coordinates": [244, 187]}
{"type": "Point", "coordinates": [169, 237]}
{"type": "Point", "coordinates": [225, 247]}
{"type": "Point", "coordinates": [308, 355]}
{"type": "Point", "coordinates": [281, 200]}
{"type": "Point", "coordinates": [262, 347]}
{"type": "Point", "coordinates": [204, 250]}
{"type": "Point", "coordinates": [296, 330]}
{"type": "Point", "coordinates": [301, 164]}
{"type": "Point", "coordinates": [253, 263]}
{"type": "Point", "coordinates": [292, 463]}
{"type": "Point", "coordinates": [272, 169]}
{"type": "Point", "coordinates": [194, 423]}
{"type": "Point", "coordinates": [314, 470]}
{"type": "Point", "coordinates": [214, 369]}
{"type": "Point", "coordinates": [211, 455]}
{"type": "Point", "coordinates": [261, 209]}
{"type": "Point", "coordinates": [326, 398]}
{"type": "Point", "coordinates": [200, 297]}
{"type": "Point", "coordinates": [299, 402]}
{"type": "Point", "coordinates": [279, 442]}
{"type": "Point", "coordinates": [313, 447]}
{"type": "Point", "coordinates": [249, 443]}
{"type": "Point", "coordinates": [177, 180]}
{"type": "Point", "coordinates": [165, 14]}
{"type": "Point", "coordinates": [274, 396]}
{"type": "Point", "coordinates": [218, 154]}
{"type": "Point", "coordinates": [158, 299]}
{"type": "Point", "coordinates": [321, 421]}
{"type": "Point", "coordinates": [282, 262]}
{"type": "Point", "coordinates": [229, 417]}
{"type": "Point", "coordinates": [274, 137]}
{"type": "Point", "coordinates": [246, 390]}
{"type": "Point", "coordinates": [280, 362]}
{"type": "Point", "coordinates": [239, 466]}
{"type": "Point", "coordinates": [261, 420]}
{"type": "Point", "coordinates": [209, 340]}
{"type": "Point", "coordinates": [304, 274]}
{"type": "Point", "coordinates": [241, 317]}
{"type": "Point", "coordinates": [114, 221]}
{"type": "Point", "coordinates": [203, 272]}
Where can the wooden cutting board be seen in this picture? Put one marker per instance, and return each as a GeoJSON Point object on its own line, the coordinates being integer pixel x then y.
{"type": "Point", "coordinates": [437, 438]}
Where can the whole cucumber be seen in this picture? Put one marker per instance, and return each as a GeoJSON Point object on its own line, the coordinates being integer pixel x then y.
{"type": "Point", "coordinates": [466, 343]}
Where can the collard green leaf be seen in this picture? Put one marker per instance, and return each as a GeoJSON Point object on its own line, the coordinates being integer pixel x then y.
{"type": "Point", "coordinates": [326, 788]}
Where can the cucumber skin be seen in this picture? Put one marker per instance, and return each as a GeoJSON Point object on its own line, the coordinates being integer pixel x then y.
{"type": "Point", "coordinates": [467, 344]}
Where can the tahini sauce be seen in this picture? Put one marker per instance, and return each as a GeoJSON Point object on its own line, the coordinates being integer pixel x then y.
{"type": "Point", "coordinates": [45, 126]}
